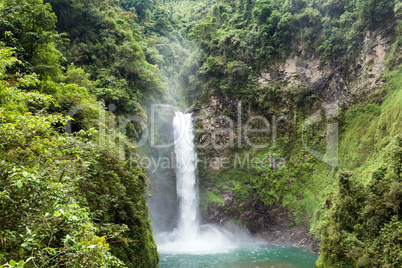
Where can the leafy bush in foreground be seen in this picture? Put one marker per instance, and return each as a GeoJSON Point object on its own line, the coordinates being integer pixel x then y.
{"type": "Point", "coordinates": [362, 225]}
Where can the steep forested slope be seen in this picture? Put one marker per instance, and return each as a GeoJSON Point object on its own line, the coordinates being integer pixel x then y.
{"type": "Point", "coordinates": [70, 193]}
{"type": "Point", "coordinates": [286, 61]}
{"type": "Point", "coordinates": [79, 198]}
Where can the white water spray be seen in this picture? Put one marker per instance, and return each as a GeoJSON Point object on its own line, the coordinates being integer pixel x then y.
{"type": "Point", "coordinates": [186, 181]}
{"type": "Point", "coordinates": [189, 236]}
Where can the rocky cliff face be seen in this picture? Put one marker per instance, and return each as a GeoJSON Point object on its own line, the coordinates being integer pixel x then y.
{"type": "Point", "coordinates": [308, 75]}
{"type": "Point", "coordinates": [305, 74]}
{"type": "Point", "coordinates": [269, 223]}
{"type": "Point", "coordinates": [329, 81]}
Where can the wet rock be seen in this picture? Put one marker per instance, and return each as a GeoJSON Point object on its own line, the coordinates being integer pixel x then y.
{"type": "Point", "coordinates": [267, 223]}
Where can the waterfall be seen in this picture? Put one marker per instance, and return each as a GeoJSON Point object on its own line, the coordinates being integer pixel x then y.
{"type": "Point", "coordinates": [190, 236]}
{"type": "Point", "coordinates": [186, 181]}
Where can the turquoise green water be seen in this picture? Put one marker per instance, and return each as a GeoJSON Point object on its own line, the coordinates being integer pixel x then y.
{"type": "Point", "coordinates": [251, 256]}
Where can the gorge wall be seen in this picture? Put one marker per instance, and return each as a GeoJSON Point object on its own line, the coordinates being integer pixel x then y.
{"type": "Point", "coordinates": [303, 80]}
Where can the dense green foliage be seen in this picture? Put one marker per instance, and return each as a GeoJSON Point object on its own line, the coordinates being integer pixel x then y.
{"type": "Point", "coordinates": [105, 41]}
{"type": "Point", "coordinates": [29, 28]}
{"type": "Point", "coordinates": [72, 199]}
{"type": "Point", "coordinates": [43, 221]}
{"type": "Point", "coordinates": [362, 225]}
{"type": "Point", "coordinates": [241, 38]}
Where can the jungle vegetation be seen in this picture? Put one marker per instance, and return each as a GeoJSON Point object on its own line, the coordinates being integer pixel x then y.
{"type": "Point", "coordinates": [69, 199]}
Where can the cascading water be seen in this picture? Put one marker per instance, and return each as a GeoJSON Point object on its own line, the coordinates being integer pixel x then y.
{"type": "Point", "coordinates": [186, 181]}
{"type": "Point", "coordinates": [189, 236]}
{"type": "Point", "coordinates": [195, 245]}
